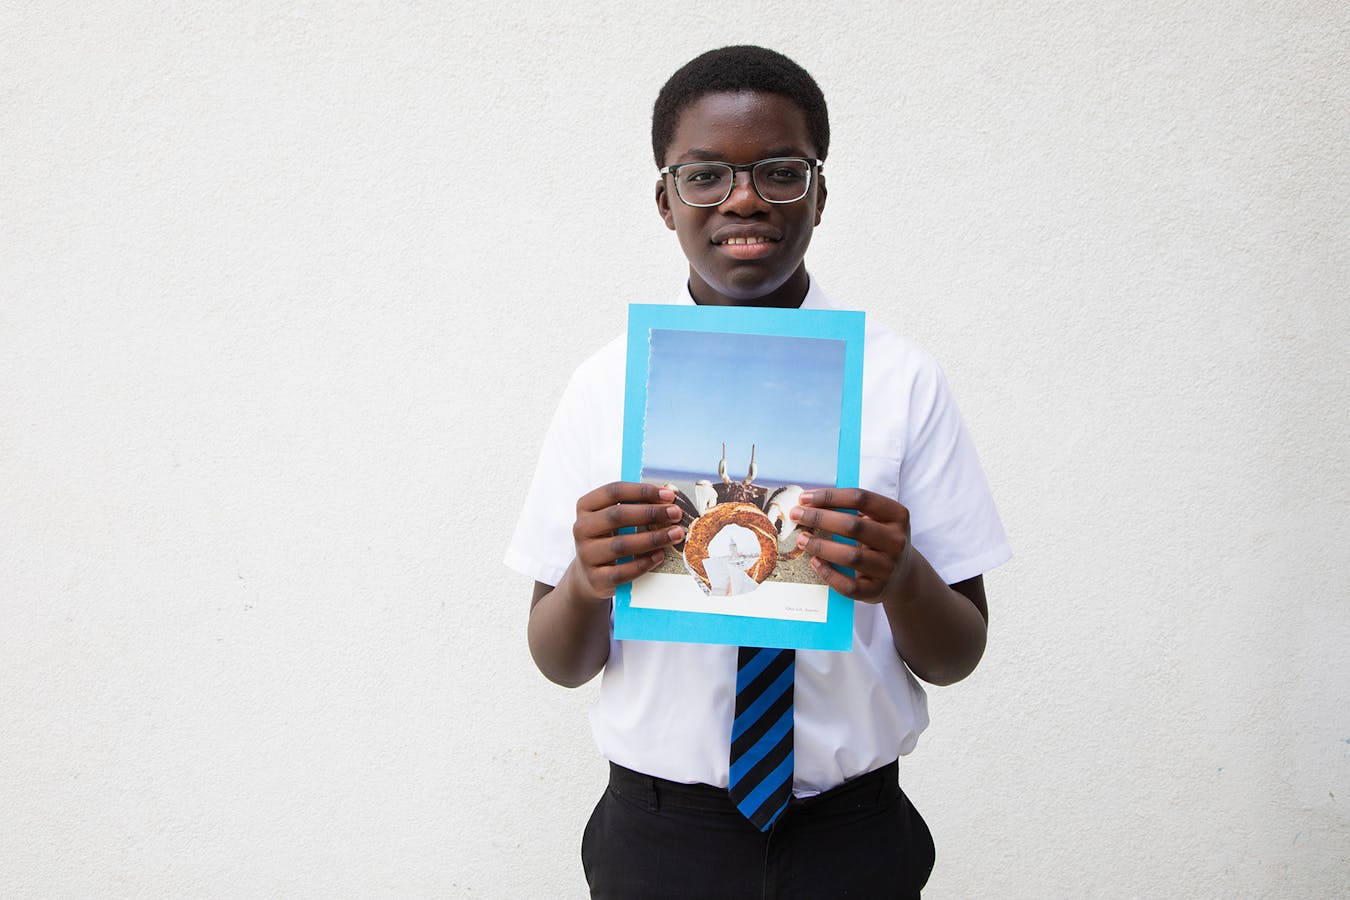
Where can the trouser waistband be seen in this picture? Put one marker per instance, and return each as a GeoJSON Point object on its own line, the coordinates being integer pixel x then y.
{"type": "Point", "coordinates": [880, 787]}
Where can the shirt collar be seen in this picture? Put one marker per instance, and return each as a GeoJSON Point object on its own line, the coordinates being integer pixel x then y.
{"type": "Point", "coordinates": [815, 298]}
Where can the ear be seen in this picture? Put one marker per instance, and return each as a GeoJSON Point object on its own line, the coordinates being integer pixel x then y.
{"type": "Point", "coordinates": [663, 203]}
{"type": "Point", "coordinates": [820, 197]}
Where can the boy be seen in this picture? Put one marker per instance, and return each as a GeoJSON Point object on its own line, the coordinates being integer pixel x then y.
{"type": "Point", "coordinates": [737, 134]}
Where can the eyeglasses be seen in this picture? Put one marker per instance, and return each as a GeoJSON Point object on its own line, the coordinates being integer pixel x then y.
{"type": "Point", "coordinates": [783, 179]}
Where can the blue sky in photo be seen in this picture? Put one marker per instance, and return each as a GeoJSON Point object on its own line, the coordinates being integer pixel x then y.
{"type": "Point", "coordinates": [780, 393]}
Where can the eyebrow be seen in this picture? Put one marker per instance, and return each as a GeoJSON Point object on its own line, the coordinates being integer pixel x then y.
{"type": "Point", "coordinates": [704, 155]}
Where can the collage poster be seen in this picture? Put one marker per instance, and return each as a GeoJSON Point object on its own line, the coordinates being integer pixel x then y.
{"type": "Point", "coordinates": [739, 410]}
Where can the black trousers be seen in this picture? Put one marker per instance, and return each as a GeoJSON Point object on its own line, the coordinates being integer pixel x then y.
{"type": "Point", "coordinates": [652, 838]}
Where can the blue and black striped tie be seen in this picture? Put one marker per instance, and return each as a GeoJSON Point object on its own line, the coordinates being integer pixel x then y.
{"type": "Point", "coordinates": [761, 735]}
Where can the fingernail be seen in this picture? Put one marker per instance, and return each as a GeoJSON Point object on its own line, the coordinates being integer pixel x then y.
{"type": "Point", "coordinates": [795, 514]}
{"type": "Point", "coordinates": [675, 534]}
{"type": "Point", "coordinates": [666, 494]}
{"type": "Point", "coordinates": [805, 497]}
{"type": "Point", "coordinates": [802, 541]}
{"type": "Point", "coordinates": [673, 513]}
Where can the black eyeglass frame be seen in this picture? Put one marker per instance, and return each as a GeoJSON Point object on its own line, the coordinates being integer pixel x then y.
{"type": "Point", "coordinates": [811, 165]}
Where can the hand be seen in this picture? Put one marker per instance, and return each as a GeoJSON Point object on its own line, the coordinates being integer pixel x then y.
{"type": "Point", "coordinates": [881, 532]}
{"type": "Point", "coordinates": [601, 513]}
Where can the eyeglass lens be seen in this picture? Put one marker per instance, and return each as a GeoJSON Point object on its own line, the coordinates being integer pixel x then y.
{"type": "Point", "coordinates": [776, 180]}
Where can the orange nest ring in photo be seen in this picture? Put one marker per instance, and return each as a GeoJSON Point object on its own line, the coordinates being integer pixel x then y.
{"type": "Point", "coordinates": [748, 516]}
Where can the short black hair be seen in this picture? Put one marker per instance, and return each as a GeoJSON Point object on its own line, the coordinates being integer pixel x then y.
{"type": "Point", "coordinates": [733, 69]}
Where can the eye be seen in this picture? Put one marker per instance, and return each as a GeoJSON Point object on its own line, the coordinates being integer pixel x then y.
{"type": "Point", "coordinates": [786, 174]}
{"type": "Point", "coordinates": [702, 176]}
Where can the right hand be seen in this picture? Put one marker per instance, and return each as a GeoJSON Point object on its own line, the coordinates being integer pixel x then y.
{"type": "Point", "coordinates": [597, 572]}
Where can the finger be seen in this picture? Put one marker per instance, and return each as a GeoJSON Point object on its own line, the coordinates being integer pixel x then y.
{"type": "Point", "coordinates": [836, 580]}
{"type": "Point", "coordinates": [869, 503]}
{"type": "Point", "coordinates": [625, 515]}
{"type": "Point", "coordinates": [623, 492]}
{"type": "Point", "coordinates": [881, 536]}
{"type": "Point", "coordinates": [863, 560]}
{"type": "Point", "coordinates": [867, 590]}
{"type": "Point", "coordinates": [605, 549]}
{"type": "Point", "coordinates": [606, 579]}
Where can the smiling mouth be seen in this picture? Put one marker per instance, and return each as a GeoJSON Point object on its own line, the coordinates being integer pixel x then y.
{"type": "Point", "coordinates": [747, 248]}
{"type": "Point", "coordinates": [743, 241]}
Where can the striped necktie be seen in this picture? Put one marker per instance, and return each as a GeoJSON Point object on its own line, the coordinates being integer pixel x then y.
{"type": "Point", "coordinates": [761, 736]}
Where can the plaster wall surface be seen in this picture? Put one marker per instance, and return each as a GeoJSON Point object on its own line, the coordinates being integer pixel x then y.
{"type": "Point", "coordinates": [288, 293]}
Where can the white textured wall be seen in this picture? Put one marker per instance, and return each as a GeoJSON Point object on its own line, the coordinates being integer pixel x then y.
{"type": "Point", "coordinates": [287, 295]}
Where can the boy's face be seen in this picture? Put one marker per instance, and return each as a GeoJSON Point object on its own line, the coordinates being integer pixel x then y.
{"type": "Point", "coordinates": [743, 128]}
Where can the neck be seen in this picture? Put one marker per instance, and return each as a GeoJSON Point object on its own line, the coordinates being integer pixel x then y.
{"type": "Point", "coordinates": [788, 295]}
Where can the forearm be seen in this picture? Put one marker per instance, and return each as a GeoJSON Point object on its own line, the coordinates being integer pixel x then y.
{"type": "Point", "coordinates": [568, 632]}
{"type": "Point", "coordinates": [939, 630]}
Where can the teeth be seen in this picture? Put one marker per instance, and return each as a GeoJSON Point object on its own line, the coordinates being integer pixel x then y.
{"type": "Point", "coordinates": [746, 240]}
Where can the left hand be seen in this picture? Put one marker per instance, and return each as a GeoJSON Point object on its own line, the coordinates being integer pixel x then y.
{"type": "Point", "coordinates": [880, 529]}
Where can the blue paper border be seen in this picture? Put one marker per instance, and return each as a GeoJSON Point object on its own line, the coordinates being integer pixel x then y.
{"type": "Point", "coordinates": [836, 632]}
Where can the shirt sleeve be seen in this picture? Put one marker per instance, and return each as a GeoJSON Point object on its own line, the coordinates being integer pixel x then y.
{"type": "Point", "coordinates": [953, 521]}
{"type": "Point", "coordinates": [541, 546]}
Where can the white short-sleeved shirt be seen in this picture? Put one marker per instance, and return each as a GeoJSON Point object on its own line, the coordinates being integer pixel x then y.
{"type": "Point", "coordinates": [666, 708]}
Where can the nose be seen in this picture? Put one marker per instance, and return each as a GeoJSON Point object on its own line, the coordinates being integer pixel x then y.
{"type": "Point", "coordinates": [743, 200]}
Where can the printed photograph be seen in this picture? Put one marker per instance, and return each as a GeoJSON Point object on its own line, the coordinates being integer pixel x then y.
{"type": "Point", "coordinates": [739, 425]}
